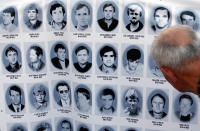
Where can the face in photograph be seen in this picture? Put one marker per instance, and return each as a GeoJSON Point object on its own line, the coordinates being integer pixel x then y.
{"type": "Point", "coordinates": [32, 14]}
{"type": "Point", "coordinates": [15, 96]}
{"type": "Point", "coordinates": [11, 55]}
{"type": "Point", "coordinates": [185, 112]}
{"type": "Point", "coordinates": [108, 56]}
{"type": "Point", "coordinates": [82, 56]}
{"type": "Point", "coordinates": [188, 18]}
{"type": "Point", "coordinates": [109, 12]}
{"type": "Point", "coordinates": [82, 16]}
{"type": "Point", "coordinates": [83, 99]}
{"type": "Point", "coordinates": [66, 126]}
{"type": "Point", "coordinates": [40, 95]}
{"type": "Point", "coordinates": [60, 60]}
{"type": "Point", "coordinates": [61, 53]}
{"type": "Point", "coordinates": [83, 63]}
{"type": "Point", "coordinates": [64, 93]}
{"type": "Point", "coordinates": [36, 58]}
{"type": "Point", "coordinates": [7, 18]}
{"type": "Point", "coordinates": [158, 103]}
{"type": "Point", "coordinates": [107, 97]}
{"type": "Point", "coordinates": [134, 16]}
{"type": "Point", "coordinates": [58, 15]}
{"type": "Point", "coordinates": [108, 59]}
{"type": "Point", "coordinates": [57, 12]}
{"type": "Point", "coordinates": [132, 100]}
{"type": "Point", "coordinates": [161, 18]}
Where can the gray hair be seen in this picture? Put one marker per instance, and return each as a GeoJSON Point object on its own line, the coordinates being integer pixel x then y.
{"type": "Point", "coordinates": [169, 53]}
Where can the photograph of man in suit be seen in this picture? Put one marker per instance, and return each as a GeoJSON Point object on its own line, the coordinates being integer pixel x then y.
{"type": "Point", "coordinates": [60, 61]}
{"type": "Point", "coordinates": [64, 92]}
{"type": "Point", "coordinates": [82, 55]}
{"type": "Point", "coordinates": [57, 12]}
{"type": "Point", "coordinates": [108, 22]}
{"type": "Point", "coordinates": [8, 17]}
{"type": "Point", "coordinates": [33, 22]}
{"type": "Point", "coordinates": [134, 13]}
{"type": "Point", "coordinates": [15, 95]}
{"type": "Point", "coordinates": [12, 57]}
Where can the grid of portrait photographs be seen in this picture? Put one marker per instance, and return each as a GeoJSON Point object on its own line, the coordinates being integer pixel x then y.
{"type": "Point", "coordinates": [86, 65]}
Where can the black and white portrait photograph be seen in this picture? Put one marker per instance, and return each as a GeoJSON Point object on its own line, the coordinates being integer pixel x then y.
{"type": "Point", "coordinates": [131, 101]}
{"type": "Point", "coordinates": [59, 56]}
{"type": "Point", "coordinates": [185, 108]}
{"type": "Point", "coordinates": [107, 16]}
{"type": "Point", "coordinates": [106, 100]}
{"type": "Point", "coordinates": [188, 17]}
{"type": "Point", "coordinates": [62, 94]}
{"type": "Point", "coordinates": [9, 20]}
{"type": "Point", "coordinates": [15, 98]}
{"type": "Point", "coordinates": [81, 15]}
{"type": "Point", "coordinates": [83, 126]}
{"type": "Point", "coordinates": [160, 19]}
{"type": "Point", "coordinates": [44, 125]}
{"type": "Point", "coordinates": [134, 17]}
{"type": "Point", "coordinates": [17, 126]}
{"type": "Point", "coordinates": [153, 70]}
{"type": "Point", "coordinates": [32, 17]}
{"type": "Point", "coordinates": [83, 98]}
{"type": "Point", "coordinates": [57, 16]}
{"type": "Point", "coordinates": [36, 59]}
{"type": "Point", "coordinates": [82, 58]}
{"type": "Point", "coordinates": [157, 104]}
{"type": "Point", "coordinates": [63, 124]}
{"type": "Point", "coordinates": [107, 59]}
{"type": "Point", "coordinates": [133, 61]}
{"type": "Point", "coordinates": [38, 97]}
{"type": "Point", "coordinates": [12, 59]}
{"type": "Point", "coordinates": [105, 128]}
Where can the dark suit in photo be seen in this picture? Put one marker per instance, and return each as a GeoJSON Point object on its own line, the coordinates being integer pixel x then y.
{"type": "Point", "coordinates": [13, 69]}
{"type": "Point", "coordinates": [56, 63]}
{"type": "Point", "coordinates": [83, 70]}
{"type": "Point", "coordinates": [128, 27]}
{"type": "Point", "coordinates": [104, 25]}
{"type": "Point", "coordinates": [11, 107]}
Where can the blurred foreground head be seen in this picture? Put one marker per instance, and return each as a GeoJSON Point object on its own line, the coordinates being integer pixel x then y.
{"type": "Point", "coordinates": [177, 52]}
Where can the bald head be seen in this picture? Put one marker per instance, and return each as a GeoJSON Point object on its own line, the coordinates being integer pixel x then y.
{"type": "Point", "coordinates": [178, 35]}
{"type": "Point", "coordinates": [174, 46]}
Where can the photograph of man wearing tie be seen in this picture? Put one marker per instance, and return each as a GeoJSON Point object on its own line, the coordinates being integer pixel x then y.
{"type": "Point", "coordinates": [15, 95]}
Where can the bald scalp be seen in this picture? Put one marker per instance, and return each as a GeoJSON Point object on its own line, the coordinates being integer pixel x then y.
{"type": "Point", "coordinates": [175, 46]}
{"type": "Point", "coordinates": [177, 35]}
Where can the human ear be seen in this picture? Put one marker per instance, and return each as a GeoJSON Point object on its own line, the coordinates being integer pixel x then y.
{"type": "Point", "coordinates": [169, 74]}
